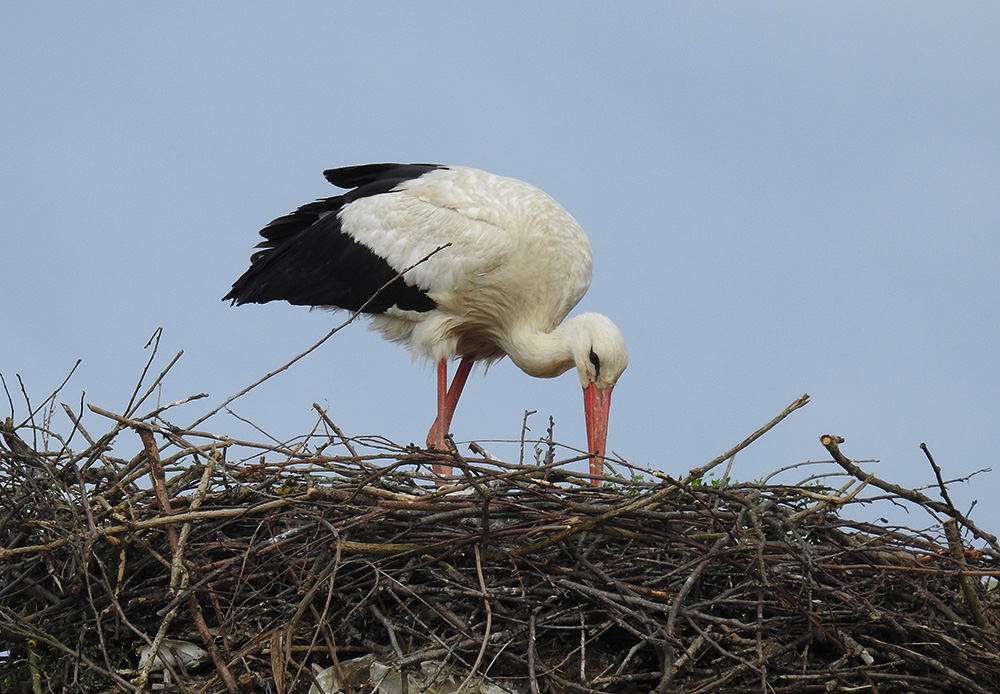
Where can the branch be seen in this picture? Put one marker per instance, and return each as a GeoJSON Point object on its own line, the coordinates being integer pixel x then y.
{"type": "Point", "coordinates": [699, 472]}
{"type": "Point", "coordinates": [832, 444]}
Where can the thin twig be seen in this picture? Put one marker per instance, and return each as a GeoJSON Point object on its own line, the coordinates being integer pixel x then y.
{"type": "Point", "coordinates": [699, 472]}
{"type": "Point", "coordinates": [153, 340]}
{"type": "Point", "coordinates": [937, 475]}
{"type": "Point", "coordinates": [43, 403]}
{"type": "Point", "coordinates": [329, 422]}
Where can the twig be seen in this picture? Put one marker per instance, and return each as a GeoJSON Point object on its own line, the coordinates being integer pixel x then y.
{"type": "Point", "coordinates": [153, 340]}
{"type": "Point", "coordinates": [52, 396]}
{"type": "Point", "coordinates": [937, 474]}
{"type": "Point", "coordinates": [829, 499]}
{"type": "Point", "coordinates": [329, 422]}
{"type": "Point", "coordinates": [699, 472]}
{"type": "Point", "coordinates": [524, 434]}
{"type": "Point", "coordinates": [10, 400]}
{"type": "Point", "coordinates": [969, 589]}
{"type": "Point", "coordinates": [77, 424]}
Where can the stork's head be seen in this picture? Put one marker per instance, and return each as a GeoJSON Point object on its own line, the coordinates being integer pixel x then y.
{"type": "Point", "coordinates": [600, 356]}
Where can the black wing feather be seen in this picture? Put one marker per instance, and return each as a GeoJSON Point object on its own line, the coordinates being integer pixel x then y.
{"type": "Point", "coordinates": [356, 176]}
{"type": "Point", "coordinates": [308, 259]}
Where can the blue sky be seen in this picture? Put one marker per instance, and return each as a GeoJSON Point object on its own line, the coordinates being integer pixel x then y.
{"type": "Point", "coordinates": [782, 198]}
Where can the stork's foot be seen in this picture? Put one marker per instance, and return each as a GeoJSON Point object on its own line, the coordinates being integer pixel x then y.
{"type": "Point", "coordinates": [438, 441]}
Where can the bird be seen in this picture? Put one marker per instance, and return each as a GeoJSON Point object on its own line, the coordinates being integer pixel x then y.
{"type": "Point", "coordinates": [456, 263]}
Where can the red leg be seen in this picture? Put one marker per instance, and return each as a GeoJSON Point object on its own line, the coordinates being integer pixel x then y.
{"type": "Point", "coordinates": [447, 400]}
{"type": "Point", "coordinates": [457, 384]}
{"type": "Point", "coordinates": [442, 399]}
{"type": "Point", "coordinates": [435, 437]}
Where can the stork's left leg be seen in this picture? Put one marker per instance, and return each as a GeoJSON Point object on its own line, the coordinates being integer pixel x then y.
{"type": "Point", "coordinates": [447, 400]}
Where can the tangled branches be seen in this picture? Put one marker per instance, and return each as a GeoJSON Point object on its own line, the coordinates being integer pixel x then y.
{"type": "Point", "coordinates": [248, 566]}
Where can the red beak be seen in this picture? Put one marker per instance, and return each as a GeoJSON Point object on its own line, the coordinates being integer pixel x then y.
{"type": "Point", "coordinates": [597, 404]}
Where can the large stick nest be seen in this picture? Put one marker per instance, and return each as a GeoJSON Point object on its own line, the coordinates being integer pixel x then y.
{"type": "Point", "coordinates": [251, 567]}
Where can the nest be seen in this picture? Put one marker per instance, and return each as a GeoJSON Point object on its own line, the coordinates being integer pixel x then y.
{"type": "Point", "coordinates": [204, 564]}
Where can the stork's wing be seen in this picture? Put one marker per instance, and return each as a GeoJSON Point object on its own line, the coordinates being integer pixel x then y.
{"type": "Point", "coordinates": [309, 259]}
{"type": "Point", "coordinates": [342, 251]}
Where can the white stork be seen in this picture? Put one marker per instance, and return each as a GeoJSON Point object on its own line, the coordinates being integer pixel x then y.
{"type": "Point", "coordinates": [514, 263]}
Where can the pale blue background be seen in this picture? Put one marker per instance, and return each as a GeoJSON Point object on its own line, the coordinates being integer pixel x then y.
{"type": "Point", "coordinates": [782, 198]}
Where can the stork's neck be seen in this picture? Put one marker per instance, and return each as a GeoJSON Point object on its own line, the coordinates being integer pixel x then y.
{"type": "Point", "coordinates": [542, 354]}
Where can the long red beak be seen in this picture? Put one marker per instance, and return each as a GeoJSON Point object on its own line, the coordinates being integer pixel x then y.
{"type": "Point", "coordinates": [597, 404]}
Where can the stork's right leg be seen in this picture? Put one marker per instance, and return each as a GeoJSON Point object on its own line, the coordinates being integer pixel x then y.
{"type": "Point", "coordinates": [436, 436]}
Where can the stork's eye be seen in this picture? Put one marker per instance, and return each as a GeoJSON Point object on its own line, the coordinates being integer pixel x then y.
{"type": "Point", "coordinates": [596, 361]}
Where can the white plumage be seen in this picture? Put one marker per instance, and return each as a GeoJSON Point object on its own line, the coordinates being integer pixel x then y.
{"type": "Point", "coordinates": [514, 264]}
